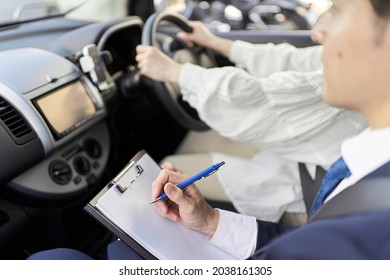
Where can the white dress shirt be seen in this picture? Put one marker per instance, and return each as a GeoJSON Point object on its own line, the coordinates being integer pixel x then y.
{"type": "Point", "coordinates": [278, 108]}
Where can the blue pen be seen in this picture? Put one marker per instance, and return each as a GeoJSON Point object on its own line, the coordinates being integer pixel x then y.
{"type": "Point", "coordinates": [189, 181]}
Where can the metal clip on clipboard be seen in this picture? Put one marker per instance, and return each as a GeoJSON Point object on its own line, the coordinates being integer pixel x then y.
{"type": "Point", "coordinates": [115, 181]}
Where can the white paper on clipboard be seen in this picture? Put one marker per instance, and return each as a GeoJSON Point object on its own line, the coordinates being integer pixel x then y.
{"type": "Point", "coordinates": [132, 212]}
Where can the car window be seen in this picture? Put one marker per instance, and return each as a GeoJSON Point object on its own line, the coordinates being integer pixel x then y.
{"type": "Point", "coordinates": [98, 9]}
{"type": "Point", "coordinates": [227, 15]}
{"type": "Point", "coordinates": [24, 10]}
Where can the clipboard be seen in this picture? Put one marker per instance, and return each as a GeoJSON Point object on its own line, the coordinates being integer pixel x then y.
{"type": "Point", "coordinates": [123, 206]}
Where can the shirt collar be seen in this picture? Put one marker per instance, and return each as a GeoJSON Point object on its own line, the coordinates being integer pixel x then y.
{"type": "Point", "coordinates": [367, 151]}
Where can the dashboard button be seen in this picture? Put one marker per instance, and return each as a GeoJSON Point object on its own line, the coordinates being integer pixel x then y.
{"type": "Point", "coordinates": [77, 180]}
{"type": "Point", "coordinates": [92, 148]}
{"type": "Point", "coordinates": [81, 165]}
{"type": "Point", "coordinates": [60, 172]}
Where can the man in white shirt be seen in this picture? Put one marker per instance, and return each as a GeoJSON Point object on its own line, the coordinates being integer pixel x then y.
{"type": "Point", "coordinates": [275, 105]}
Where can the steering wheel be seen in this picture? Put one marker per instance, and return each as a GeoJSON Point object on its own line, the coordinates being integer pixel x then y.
{"type": "Point", "coordinates": [169, 93]}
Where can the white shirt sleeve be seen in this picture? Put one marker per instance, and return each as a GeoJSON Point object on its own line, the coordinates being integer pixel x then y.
{"type": "Point", "coordinates": [262, 60]}
{"type": "Point", "coordinates": [283, 113]}
{"type": "Point", "coordinates": [236, 234]}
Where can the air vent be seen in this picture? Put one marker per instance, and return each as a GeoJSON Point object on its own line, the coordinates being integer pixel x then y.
{"type": "Point", "coordinates": [15, 123]}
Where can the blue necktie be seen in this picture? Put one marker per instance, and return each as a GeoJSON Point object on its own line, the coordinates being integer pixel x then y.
{"type": "Point", "coordinates": [336, 173]}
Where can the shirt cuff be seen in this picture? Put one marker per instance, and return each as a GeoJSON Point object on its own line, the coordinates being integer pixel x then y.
{"type": "Point", "coordinates": [189, 78]}
{"type": "Point", "coordinates": [236, 50]}
{"type": "Point", "coordinates": [236, 234]}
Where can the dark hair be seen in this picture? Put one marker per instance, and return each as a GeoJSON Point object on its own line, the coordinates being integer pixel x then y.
{"type": "Point", "coordinates": [381, 8]}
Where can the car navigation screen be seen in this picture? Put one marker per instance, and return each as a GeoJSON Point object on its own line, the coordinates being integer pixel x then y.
{"type": "Point", "coordinates": [67, 107]}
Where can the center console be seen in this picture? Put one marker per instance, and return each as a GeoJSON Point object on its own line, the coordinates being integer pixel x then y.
{"type": "Point", "coordinates": [62, 144]}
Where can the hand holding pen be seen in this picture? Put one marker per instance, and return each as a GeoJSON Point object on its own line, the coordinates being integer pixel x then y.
{"type": "Point", "coordinates": [203, 174]}
{"type": "Point", "coordinates": [187, 207]}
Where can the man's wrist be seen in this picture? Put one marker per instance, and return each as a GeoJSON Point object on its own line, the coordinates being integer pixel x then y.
{"type": "Point", "coordinates": [212, 223]}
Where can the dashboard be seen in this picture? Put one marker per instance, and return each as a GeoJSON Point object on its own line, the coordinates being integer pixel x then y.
{"type": "Point", "coordinates": [54, 105]}
{"type": "Point", "coordinates": [55, 142]}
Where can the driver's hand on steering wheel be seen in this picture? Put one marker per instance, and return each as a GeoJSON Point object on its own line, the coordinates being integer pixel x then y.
{"type": "Point", "coordinates": [156, 65]}
{"type": "Point", "coordinates": [200, 35]}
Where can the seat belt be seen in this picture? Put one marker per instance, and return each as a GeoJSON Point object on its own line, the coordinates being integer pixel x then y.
{"type": "Point", "coordinates": [310, 187]}
{"type": "Point", "coordinates": [369, 194]}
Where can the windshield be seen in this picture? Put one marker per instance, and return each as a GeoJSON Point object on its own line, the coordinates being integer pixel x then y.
{"type": "Point", "coordinates": [23, 10]}
{"type": "Point", "coordinates": [13, 11]}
